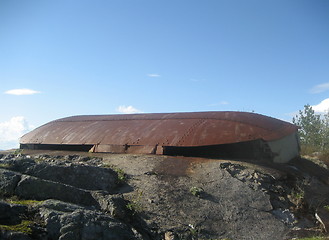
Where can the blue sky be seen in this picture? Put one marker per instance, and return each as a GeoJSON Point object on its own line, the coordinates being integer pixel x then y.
{"type": "Point", "coordinates": [62, 58]}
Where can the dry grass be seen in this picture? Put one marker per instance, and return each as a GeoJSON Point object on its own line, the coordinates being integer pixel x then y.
{"type": "Point", "coordinates": [324, 157]}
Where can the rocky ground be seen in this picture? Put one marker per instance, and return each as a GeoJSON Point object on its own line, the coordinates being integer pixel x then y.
{"type": "Point", "coordinates": [63, 195]}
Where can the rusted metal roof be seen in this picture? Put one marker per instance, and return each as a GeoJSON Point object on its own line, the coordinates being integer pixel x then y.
{"type": "Point", "coordinates": [160, 129]}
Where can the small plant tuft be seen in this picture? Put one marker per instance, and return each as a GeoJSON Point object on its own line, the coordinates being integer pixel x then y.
{"type": "Point", "coordinates": [196, 191]}
{"type": "Point", "coordinates": [193, 230]}
{"type": "Point", "coordinates": [297, 195]}
{"type": "Point", "coordinates": [134, 204]}
{"type": "Point", "coordinates": [122, 176]}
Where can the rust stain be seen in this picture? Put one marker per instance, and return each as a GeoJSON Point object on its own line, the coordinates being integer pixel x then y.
{"type": "Point", "coordinates": [179, 166]}
{"type": "Point", "coordinates": [172, 166]}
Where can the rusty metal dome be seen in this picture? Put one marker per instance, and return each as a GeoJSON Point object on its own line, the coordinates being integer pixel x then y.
{"type": "Point", "coordinates": [143, 132]}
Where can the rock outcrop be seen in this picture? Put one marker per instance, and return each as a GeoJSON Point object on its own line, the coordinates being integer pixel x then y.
{"type": "Point", "coordinates": [74, 200]}
{"type": "Point", "coordinates": [72, 197]}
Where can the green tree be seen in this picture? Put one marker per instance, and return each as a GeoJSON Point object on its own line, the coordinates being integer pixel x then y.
{"type": "Point", "coordinates": [312, 128]}
{"type": "Point", "coordinates": [326, 131]}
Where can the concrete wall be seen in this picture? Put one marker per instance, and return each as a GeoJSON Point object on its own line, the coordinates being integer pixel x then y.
{"type": "Point", "coordinates": [285, 148]}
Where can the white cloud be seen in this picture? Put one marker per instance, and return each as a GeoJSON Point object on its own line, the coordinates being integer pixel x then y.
{"type": "Point", "coordinates": [219, 103]}
{"type": "Point", "coordinates": [320, 88]}
{"type": "Point", "coordinates": [22, 91]}
{"type": "Point", "coordinates": [196, 80]}
{"type": "Point", "coordinates": [224, 103]}
{"type": "Point", "coordinates": [127, 109]}
{"type": "Point", "coordinates": [154, 75]}
{"type": "Point", "coordinates": [322, 107]}
{"type": "Point", "coordinates": [11, 131]}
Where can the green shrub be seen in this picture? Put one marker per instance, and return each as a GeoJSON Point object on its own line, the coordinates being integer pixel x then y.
{"type": "Point", "coordinates": [311, 129]}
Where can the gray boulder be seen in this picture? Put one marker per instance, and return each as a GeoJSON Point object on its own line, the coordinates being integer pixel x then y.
{"type": "Point", "coordinates": [39, 189]}
{"type": "Point", "coordinates": [9, 235]}
{"type": "Point", "coordinates": [83, 224]}
{"type": "Point", "coordinates": [60, 206]}
{"type": "Point", "coordinates": [20, 164]}
{"type": "Point", "coordinates": [80, 176]}
{"type": "Point", "coordinates": [114, 205]}
{"type": "Point", "coordinates": [10, 214]}
{"type": "Point", "coordinates": [8, 182]}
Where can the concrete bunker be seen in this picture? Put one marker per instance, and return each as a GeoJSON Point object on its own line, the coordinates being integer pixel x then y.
{"type": "Point", "coordinates": [200, 134]}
